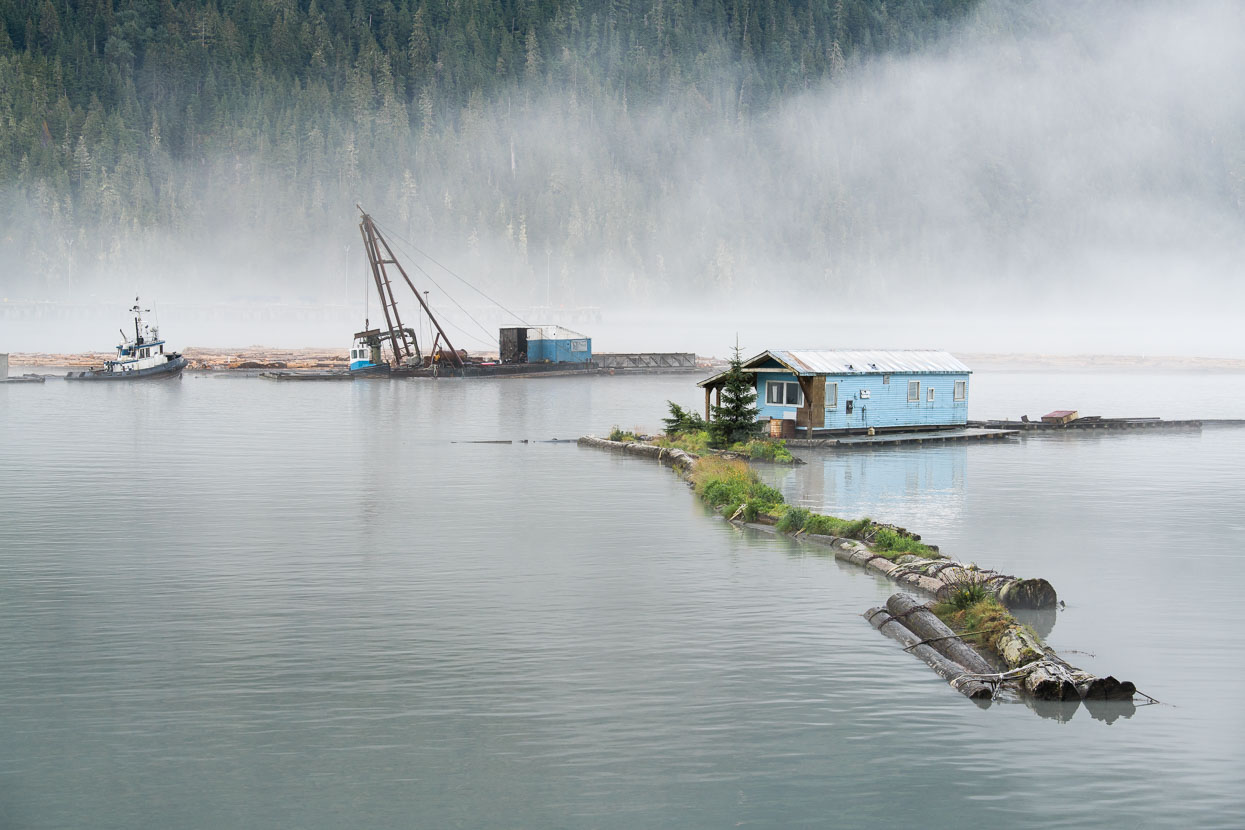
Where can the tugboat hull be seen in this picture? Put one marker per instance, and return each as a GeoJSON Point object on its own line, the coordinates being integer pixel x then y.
{"type": "Point", "coordinates": [171, 369]}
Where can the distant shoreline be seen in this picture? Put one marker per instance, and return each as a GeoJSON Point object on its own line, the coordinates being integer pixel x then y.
{"type": "Point", "coordinates": [1020, 362]}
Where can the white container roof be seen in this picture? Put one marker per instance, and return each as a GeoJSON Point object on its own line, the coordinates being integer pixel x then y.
{"type": "Point", "coordinates": [553, 333]}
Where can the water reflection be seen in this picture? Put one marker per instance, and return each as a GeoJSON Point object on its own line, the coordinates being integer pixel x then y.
{"type": "Point", "coordinates": [1041, 620]}
{"type": "Point", "coordinates": [925, 486]}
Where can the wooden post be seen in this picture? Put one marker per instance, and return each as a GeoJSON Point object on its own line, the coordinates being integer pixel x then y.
{"type": "Point", "coordinates": [708, 392]}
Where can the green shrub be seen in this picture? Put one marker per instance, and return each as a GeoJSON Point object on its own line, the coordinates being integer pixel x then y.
{"type": "Point", "coordinates": [682, 421]}
{"type": "Point", "coordinates": [727, 484]}
{"type": "Point", "coordinates": [793, 520]}
{"type": "Point", "coordinates": [617, 434]}
{"type": "Point", "coordinates": [693, 442]}
{"type": "Point", "coordinates": [967, 595]}
{"type": "Point", "coordinates": [885, 539]}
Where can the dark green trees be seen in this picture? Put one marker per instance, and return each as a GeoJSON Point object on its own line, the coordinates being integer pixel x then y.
{"type": "Point", "coordinates": [734, 419]}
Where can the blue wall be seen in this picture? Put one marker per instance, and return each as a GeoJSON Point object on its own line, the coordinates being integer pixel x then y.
{"type": "Point", "coordinates": [558, 351]}
{"type": "Point", "coordinates": [886, 405]}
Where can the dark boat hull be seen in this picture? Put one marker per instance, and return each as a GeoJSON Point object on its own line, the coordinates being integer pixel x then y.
{"type": "Point", "coordinates": [171, 369]}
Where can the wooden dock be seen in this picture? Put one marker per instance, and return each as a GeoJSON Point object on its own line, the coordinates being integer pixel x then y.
{"type": "Point", "coordinates": [1088, 423]}
{"type": "Point", "coordinates": [938, 436]}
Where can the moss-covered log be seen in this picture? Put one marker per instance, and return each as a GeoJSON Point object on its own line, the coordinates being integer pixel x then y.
{"type": "Point", "coordinates": [955, 674]}
{"type": "Point", "coordinates": [680, 460]}
{"type": "Point", "coordinates": [1053, 678]}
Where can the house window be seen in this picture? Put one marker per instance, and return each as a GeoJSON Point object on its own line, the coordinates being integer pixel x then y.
{"type": "Point", "coordinates": [914, 391]}
{"type": "Point", "coordinates": [961, 390]}
{"type": "Point", "coordinates": [779, 393]}
{"type": "Point", "coordinates": [929, 394]}
{"type": "Point", "coordinates": [886, 379]}
{"type": "Point", "coordinates": [832, 395]}
{"type": "Point", "coordinates": [579, 345]}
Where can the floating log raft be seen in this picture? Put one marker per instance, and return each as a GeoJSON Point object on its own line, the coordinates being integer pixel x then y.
{"type": "Point", "coordinates": [1034, 667]}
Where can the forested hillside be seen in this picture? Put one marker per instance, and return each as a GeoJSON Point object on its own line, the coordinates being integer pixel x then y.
{"type": "Point", "coordinates": [597, 153]}
{"type": "Point", "coordinates": [236, 135]}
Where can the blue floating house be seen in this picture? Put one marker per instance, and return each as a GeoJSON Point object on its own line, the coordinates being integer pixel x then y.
{"type": "Point", "coordinates": [817, 392]}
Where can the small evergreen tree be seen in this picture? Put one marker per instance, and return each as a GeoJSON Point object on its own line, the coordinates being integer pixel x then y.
{"type": "Point", "coordinates": [682, 420]}
{"type": "Point", "coordinates": [735, 418]}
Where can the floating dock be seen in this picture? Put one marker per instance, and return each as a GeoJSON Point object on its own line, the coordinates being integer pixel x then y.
{"type": "Point", "coordinates": [1089, 422]}
{"type": "Point", "coordinates": [892, 438]}
{"type": "Point", "coordinates": [647, 363]}
{"type": "Point", "coordinates": [4, 373]}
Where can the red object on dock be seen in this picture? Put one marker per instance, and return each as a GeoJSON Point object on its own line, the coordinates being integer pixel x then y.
{"type": "Point", "coordinates": [1059, 416]}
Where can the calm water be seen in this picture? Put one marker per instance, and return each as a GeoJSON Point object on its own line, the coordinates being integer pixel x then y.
{"type": "Point", "coordinates": [234, 603]}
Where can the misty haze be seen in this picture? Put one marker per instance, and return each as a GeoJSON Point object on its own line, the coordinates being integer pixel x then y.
{"type": "Point", "coordinates": [1074, 164]}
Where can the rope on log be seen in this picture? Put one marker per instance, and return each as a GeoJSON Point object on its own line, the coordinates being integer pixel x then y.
{"type": "Point", "coordinates": [1039, 671]}
{"type": "Point", "coordinates": [955, 674]}
{"type": "Point", "coordinates": [924, 623]}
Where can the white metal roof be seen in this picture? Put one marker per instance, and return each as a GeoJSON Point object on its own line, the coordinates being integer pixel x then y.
{"type": "Point", "coordinates": [857, 362]}
{"type": "Point", "coordinates": [867, 361]}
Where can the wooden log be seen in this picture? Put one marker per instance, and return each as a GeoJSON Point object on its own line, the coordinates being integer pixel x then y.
{"type": "Point", "coordinates": [1091, 687]}
{"type": "Point", "coordinates": [922, 621]}
{"type": "Point", "coordinates": [1055, 678]}
{"type": "Point", "coordinates": [952, 672]}
{"type": "Point", "coordinates": [883, 565]}
{"type": "Point", "coordinates": [1019, 647]}
{"type": "Point", "coordinates": [1051, 681]}
{"type": "Point", "coordinates": [1028, 593]}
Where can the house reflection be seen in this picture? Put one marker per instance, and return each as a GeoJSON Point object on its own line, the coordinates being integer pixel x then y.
{"type": "Point", "coordinates": [921, 488]}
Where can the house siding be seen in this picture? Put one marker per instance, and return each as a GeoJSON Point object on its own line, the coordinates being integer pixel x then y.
{"type": "Point", "coordinates": [886, 406]}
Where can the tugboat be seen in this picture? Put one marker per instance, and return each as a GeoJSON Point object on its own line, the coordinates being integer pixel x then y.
{"type": "Point", "coordinates": [365, 354]}
{"type": "Point", "coordinates": [141, 357]}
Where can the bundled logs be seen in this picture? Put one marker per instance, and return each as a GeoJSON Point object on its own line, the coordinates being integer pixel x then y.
{"type": "Point", "coordinates": [1031, 664]}
{"type": "Point", "coordinates": [941, 577]}
{"type": "Point", "coordinates": [957, 675]}
{"type": "Point", "coordinates": [1050, 677]}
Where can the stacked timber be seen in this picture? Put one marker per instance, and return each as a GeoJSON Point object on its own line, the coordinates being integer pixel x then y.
{"type": "Point", "coordinates": [941, 577]}
{"type": "Point", "coordinates": [676, 458]}
{"type": "Point", "coordinates": [1037, 670]}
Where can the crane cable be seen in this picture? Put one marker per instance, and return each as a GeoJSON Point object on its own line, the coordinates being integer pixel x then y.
{"type": "Point", "coordinates": [488, 343]}
{"type": "Point", "coordinates": [447, 270]}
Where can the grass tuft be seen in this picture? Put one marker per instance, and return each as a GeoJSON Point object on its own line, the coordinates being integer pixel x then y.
{"type": "Point", "coordinates": [981, 622]}
{"type": "Point", "coordinates": [729, 483]}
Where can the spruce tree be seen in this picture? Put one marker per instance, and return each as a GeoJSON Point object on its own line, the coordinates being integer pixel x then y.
{"type": "Point", "coordinates": [735, 418]}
